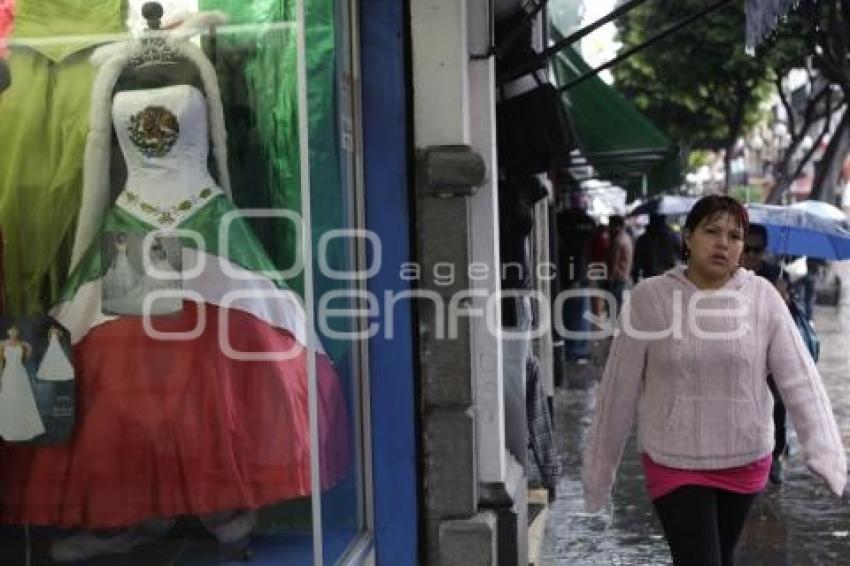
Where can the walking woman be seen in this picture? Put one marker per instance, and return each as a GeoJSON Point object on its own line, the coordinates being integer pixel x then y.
{"type": "Point", "coordinates": [691, 359]}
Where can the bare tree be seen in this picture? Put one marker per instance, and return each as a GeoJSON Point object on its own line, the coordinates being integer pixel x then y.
{"type": "Point", "coordinates": [831, 32]}
{"type": "Point", "coordinates": [821, 105]}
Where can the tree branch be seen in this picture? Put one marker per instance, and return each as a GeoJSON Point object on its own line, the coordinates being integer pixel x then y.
{"type": "Point", "coordinates": [786, 104]}
{"type": "Point", "coordinates": [808, 155]}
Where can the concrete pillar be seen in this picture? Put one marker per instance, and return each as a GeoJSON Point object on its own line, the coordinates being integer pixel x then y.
{"type": "Point", "coordinates": [469, 543]}
{"type": "Point", "coordinates": [457, 234]}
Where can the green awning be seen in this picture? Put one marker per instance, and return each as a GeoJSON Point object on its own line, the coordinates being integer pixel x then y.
{"type": "Point", "coordinates": [623, 146]}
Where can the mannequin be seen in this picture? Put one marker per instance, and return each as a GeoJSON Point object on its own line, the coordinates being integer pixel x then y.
{"type": "Point", "coordinates": [172, 426]}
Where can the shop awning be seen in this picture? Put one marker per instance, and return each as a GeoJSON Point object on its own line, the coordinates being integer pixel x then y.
{"type": "Point", "coordinates": [621, 143]}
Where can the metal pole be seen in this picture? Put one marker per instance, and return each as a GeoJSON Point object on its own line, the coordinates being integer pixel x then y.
{"type": "Point", "coordinates": [491, 43]}
{"type": "Point", "coordinates": [590, 28]}
{"type": "Point", "coordinates": [309, 298]}
{"type": "Point", "coordinates": [572, 38]}
{"type": "Point", "coordinates": [651, 41]}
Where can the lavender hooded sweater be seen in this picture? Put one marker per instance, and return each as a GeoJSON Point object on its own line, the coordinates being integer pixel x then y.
{"type": "Point", "coordinates": [693, 365]}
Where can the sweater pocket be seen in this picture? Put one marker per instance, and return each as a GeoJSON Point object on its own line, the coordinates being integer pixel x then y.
{"type": "Point", "coordinates": [698, 427]}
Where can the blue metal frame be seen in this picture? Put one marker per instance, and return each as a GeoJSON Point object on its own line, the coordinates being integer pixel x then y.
{"type": "Point", "coordinates": [383, 32]}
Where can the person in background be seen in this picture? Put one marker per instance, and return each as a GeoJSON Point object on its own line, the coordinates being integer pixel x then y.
{"type": "Point", "coordinates": [690, 360]}
{"type": "Point", "coordinates": [599, 256]}
{"type": "Point", "coordinates": [754, 259]}
{"type": "Point", "coordinates": [620, 255]}
{"type": "Point", "coordinates": [809, 285]}
{"type": "Point", "coordinates": [575, 230]}
{"type": "Point", "coordinates": [657, 250]}
{"type": "Point", "coordinates": [753, 256]}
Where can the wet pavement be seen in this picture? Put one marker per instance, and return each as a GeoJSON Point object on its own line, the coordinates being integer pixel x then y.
{"type": "Point", "coordinates": [799, 523]}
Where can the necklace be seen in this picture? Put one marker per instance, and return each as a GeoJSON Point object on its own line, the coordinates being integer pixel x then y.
{"type": "Point", "coordinates": [165, 215]}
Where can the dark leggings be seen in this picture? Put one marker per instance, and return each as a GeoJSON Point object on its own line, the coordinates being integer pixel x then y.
{"type": "Point", "coordinates": [779, 419]}
{"type": "Point", "coordinates": [702, 524]}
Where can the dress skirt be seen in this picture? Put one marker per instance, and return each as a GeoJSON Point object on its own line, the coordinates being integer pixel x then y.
{"type": "Point", "coordinates": [171, 428]}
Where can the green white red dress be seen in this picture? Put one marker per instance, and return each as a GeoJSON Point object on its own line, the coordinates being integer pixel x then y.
{"type": "Point", "coordinates": [214, 417]}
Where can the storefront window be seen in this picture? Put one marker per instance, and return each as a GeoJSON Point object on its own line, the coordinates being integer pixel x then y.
{"type": "Point", "coordinates": [183, 376]}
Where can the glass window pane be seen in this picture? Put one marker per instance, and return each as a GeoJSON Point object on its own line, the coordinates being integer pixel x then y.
{"type": "Point", "coordinates": [340, 298]}
{"type": "Point", "coordinates": [153, 315]}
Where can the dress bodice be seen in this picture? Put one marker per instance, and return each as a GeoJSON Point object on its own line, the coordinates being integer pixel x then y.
{"type": "Point", "coordinates": [163, 134]}
{"type": "Point", "coordinates": [12, 353]}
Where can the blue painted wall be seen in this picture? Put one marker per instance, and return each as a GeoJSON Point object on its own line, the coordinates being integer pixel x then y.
{"type": "Point", "coordinates": [394, 436]}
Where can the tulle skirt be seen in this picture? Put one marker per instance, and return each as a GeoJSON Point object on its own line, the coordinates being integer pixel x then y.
{"type": "Point", "coordinates": [168, 428]}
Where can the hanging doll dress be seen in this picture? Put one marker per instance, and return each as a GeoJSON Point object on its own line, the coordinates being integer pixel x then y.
{"type": "Point", "coordinates": [55, 365]}
{"type": "Point", "coordinates": [121, 278]}
{"type": "Point", "coordinates": [19, 417]}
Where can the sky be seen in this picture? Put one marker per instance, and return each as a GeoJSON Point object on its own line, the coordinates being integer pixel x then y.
{"type": "Point", "coordinates": [599, 46]}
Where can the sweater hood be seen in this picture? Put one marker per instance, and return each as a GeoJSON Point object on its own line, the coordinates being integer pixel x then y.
{"type": "Point", "coordinates": [741, 278]}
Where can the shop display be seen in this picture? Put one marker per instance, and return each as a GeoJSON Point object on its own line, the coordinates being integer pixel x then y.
{"type": "Point", "coordinates": [178, 413]}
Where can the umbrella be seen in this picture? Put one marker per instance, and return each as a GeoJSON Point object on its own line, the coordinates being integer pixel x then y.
{"type": "Point", "coordinates": [822, 209]}
{"type": "Point", "coordinates": [794, 231]}
{"type": "Point", "coordinates": [668, 205]}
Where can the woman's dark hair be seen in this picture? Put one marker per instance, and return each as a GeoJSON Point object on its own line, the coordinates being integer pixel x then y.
{"type": "Point", "coordinates": [712, 205]}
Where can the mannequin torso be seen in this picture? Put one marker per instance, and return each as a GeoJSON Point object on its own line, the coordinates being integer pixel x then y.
{"type": "Point", "coordinates": [163, 134]}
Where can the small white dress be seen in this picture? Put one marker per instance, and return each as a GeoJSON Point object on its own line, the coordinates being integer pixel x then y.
{"type": "Point", "coordinates": [55, 365]}
{"type": "Point", "coordinates": [121, 277]}
{"type": "Point", "coordinates": [19, 417]}
{"type": "Point", "coordinates": [162, 277]}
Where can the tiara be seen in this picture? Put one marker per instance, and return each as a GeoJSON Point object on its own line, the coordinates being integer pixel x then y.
{"type": "Point", "coordinates": [153, 49]}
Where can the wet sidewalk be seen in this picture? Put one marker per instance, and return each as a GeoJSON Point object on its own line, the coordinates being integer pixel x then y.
{"type": "Point", "coordinates": [799, 523]}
